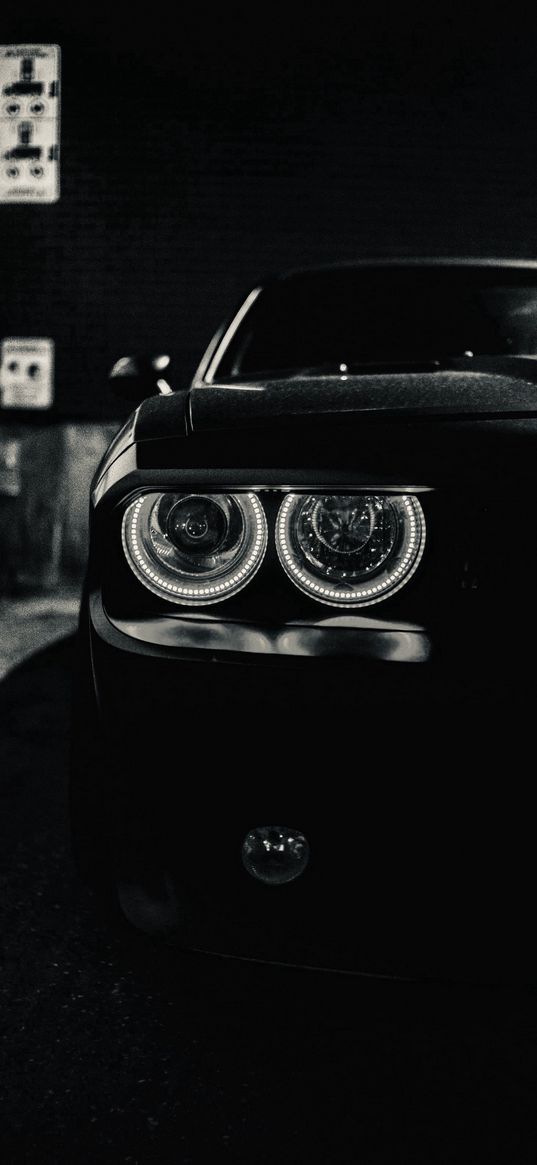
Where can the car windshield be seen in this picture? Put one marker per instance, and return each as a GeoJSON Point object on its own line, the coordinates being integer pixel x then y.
{"type": "Point", "coordinates": [337, 320]}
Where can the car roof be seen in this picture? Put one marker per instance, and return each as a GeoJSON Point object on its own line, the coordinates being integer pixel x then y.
{"type": "Point", "coordinates": [404, 261]}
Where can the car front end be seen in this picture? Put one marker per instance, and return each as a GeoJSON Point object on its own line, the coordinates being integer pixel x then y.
{"type": "Point", "coordinates": [306, 648]}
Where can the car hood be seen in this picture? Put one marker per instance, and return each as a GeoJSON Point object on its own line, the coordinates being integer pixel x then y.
{"type": "Point", "coordinates": [493, 389]}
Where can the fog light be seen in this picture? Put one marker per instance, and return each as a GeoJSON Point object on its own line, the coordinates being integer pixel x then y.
{"type": "Point", "coordinates": [275, 854]}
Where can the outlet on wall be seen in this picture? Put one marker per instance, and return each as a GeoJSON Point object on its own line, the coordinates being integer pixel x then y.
{"type": "Point", "coordinates": [27, 373]}
{"type": "Point", "coordinates": [29, 123]}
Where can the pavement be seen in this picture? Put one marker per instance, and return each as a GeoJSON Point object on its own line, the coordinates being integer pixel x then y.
{"type": "Point", "coordinates": [27, 624]}
{"type": "Point", "coordinates": [116, 1049]}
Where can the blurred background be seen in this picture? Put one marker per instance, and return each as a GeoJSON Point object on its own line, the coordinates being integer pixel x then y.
{"type": "Point", "coordinates": [200, 153]}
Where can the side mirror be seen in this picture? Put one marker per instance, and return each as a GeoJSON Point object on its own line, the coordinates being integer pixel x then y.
{"type": "Point", "coordinates": [136, 377]}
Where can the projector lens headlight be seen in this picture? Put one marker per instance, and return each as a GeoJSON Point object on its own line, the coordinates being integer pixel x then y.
{"type": "Point", "coordinates": [194, 548]}
{"type": "Point", "coordinates": [350, 550]}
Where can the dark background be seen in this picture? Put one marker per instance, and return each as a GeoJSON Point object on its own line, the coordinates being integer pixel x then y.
{"type": "Point", "coordinates": [203, 151]}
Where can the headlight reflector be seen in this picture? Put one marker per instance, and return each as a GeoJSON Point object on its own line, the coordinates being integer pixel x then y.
{"type": "Point", "coordinates": [194, 548]}
{"type": "Point", "coordinates": [350, 550]}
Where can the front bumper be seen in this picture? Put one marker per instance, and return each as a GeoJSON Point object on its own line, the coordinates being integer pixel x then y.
{"type": "Point", "coordinates": [418, 864]}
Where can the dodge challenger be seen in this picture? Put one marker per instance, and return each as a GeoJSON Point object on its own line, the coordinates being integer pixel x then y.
{"type": "Point", "coordinates": [303, 726]}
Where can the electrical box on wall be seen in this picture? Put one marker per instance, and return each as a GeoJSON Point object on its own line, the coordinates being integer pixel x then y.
{"type": "Point", "coordinates": [27, 373]}
{"type": "Point", "coordinates": [29, 123]}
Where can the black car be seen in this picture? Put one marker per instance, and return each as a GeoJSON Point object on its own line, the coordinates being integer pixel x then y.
{"type": "Point", "coordinates": [305, 705]}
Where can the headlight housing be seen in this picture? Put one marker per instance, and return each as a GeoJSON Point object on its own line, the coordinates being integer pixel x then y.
{"type": "Point", "coordinates": [350, 550]}
{"type": "Point", "coordinates": [192, 548]}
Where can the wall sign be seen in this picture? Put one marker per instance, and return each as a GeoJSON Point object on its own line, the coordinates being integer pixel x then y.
{"type": "Point", "coordinates": [29, 123]}
{"type": "Point", "coordinates": [27, 373]}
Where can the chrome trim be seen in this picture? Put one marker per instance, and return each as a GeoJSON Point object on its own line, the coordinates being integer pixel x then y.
{"type": "Point", "coordinates": [228, 336]}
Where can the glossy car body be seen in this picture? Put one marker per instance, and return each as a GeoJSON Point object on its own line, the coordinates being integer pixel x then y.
{"type": "Point", "coordinates": [397, 733]}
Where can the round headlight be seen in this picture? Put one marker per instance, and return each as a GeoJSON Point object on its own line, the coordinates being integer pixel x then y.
{"type": "Point", "coordinates": [350, 550]}
{"type": "Point", "coordinates": [194, 548]}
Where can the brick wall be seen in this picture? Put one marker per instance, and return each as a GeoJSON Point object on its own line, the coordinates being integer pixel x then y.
{"type": "Point", "coordinates": [199, 154]}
